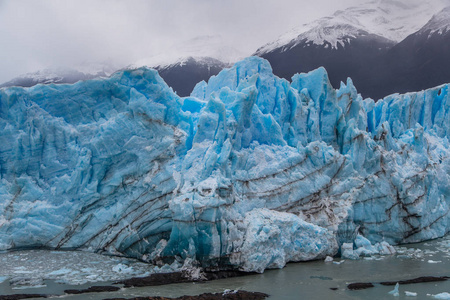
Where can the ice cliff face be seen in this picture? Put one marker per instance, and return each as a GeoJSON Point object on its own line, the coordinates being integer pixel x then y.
{"type": "Point", "coordinates": [249, 172]}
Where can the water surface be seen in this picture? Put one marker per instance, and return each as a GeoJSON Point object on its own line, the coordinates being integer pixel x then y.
{"type": "Point", "coordinates": [311, 280]}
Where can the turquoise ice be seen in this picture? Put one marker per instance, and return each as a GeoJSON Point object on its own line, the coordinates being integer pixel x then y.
{"type": "Point", "coordinates": [250, 172]}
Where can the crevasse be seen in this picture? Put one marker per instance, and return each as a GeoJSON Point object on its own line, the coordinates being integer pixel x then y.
{"type": "Point", "coordinates": [250, 172]}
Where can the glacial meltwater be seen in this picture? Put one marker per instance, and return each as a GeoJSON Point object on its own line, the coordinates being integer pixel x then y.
{"type": "Point", "coordinates": [52, 272]}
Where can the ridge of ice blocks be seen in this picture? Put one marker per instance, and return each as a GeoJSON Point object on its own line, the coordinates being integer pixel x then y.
{"type": "Point", "coordinates": [250, 172]}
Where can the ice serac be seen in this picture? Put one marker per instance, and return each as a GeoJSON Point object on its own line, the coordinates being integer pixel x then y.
{"type": "Point", "coordinates": [89, 165]}
{"type": "Point", "coordinates": [250, 172]}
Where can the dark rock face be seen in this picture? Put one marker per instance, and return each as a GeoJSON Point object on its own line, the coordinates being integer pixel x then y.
{"type": "Point", "coordinates": [416, 280]}
{"type": "Point", "coordinates": [235, 295]}
{"type": "Point", "coordinates": [360, 286]}
{"type": "Point", "coordinates": [183, 77]}
{"type": "Point", "coordinates": [155, 279]}
{"type": "Point", "coordinates": [357, 59]}
{"type": "Point", "coordinates": [418, 62]}
{"type": "Point", "coordinates": [93, 289]}
{"type": "Point", "coordinates": [21, 296]}
{"type": "Point", "coordinates": [377, 66]}
{"type": "Point", "coordinates": [177, 277]}
{"type": "Point", "coordinates": [366, 285]}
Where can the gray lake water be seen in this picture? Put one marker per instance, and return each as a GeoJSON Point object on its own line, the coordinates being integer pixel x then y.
{"type": "Point", "coordinates": [46, 270]}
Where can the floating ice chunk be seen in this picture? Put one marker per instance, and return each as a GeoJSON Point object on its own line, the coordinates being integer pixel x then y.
{"type": "Point", "coordinates": [329, 259]}
{"type": "Point", "coordinates": [410, 294]}
{"type": "Point", "coordinates": [395, 291]}
{"type": "Point", "coordinates": [23, 287]}
{"type": "Point", "coordinates": [19, 283]}
{"type": "Point", "coordinates": [60, 272]}
{"type": "Point", "coordinates": [23, 272]}
{"type": "Point", "coordinates": [434, 261]}
{"type": "Point", "coordinates": [87, 270]}
{"type": "Point", "coordinates": [442, 296]}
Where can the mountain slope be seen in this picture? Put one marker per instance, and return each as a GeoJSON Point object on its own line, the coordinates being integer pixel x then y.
{"type": "Point", "coordinates": [183, 76]}
{"type": "Point", "coordinates": [56, 75]}
{"type": "Point", "coordinates": [186, 64]}
{"type": "Point", "coordinates": [353, 59]}
{"type": "Point", "coordinates": [393, 20]}
{"type": "Point", "coordinates": [422, 59]}
{"type": "Point", "coordinates": [357, 43]}
{"type": "Point", "coordinates": [192, 61]}
{"type": "Point", "coordinates": [59, 75]}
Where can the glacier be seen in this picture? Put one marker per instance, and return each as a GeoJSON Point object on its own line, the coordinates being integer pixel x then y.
{"type": "Point", "coordinates": [249, 172]}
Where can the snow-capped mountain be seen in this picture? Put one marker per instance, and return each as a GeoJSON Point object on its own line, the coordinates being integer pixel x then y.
{"type": "Point", "coordinates": [367, 43]}
{"type": "Point", "coordinates": [393, 20]}
{"type": "Point", "coordinates": [192, 61]}
{"type": "Point", "coordinates": [201, 49]}
{"type": "Point", "coordinates": [83, 71]}
{"type": "Point", "coordinates": [188, 63]}
{"type": "Point", "coordinates": [183, 76]}
{"type": "Point", "coordinates": [439, 23]}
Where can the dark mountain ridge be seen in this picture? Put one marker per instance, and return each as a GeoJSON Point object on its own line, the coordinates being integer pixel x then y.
{"type": "Point", "coordinates": [378, 66]}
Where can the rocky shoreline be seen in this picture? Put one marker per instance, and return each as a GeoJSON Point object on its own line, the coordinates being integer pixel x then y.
{"type": "Point", "coordinates": [160, 279]}
{"type": "Point", "coordinates": [366, 285]}
{"type": "Point", "coordinates": [228, 295]}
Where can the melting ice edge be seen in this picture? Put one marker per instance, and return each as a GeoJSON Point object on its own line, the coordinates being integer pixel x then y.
{"type": "Point", "coordinates": [250, 172]}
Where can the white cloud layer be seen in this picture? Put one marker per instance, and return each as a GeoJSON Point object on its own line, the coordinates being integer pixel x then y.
{"type": "Point", "coordinates": [36, 34]}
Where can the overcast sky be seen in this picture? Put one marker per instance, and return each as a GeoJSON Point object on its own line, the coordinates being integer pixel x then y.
{"type": "Point", "coordinates": [36, 34]}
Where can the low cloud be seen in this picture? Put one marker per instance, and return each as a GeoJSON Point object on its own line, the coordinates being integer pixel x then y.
{"type": "Point", "coordinates": [47, 33]}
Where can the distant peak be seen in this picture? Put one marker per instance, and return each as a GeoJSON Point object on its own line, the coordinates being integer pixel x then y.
{"type": "Point", "coordinates": [201, 48]}
{"type": "Point", "coordinates": [390, 19]}
{"type": "Point", "coordinates": [439, 23]}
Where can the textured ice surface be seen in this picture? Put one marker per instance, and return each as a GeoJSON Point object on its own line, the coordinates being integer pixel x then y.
{"type": "Point", "coordinates": [274, 238]}
{"type": "Point", "coordinates": [249, 162]}
{"type": "Point", "coordinates": [27, 269]}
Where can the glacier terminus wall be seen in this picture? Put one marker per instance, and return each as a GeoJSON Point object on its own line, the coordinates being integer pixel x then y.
{"type": "Point", "coordinates": [249, 172]}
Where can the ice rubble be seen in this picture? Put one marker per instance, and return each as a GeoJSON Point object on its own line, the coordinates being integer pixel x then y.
{"type": "Point", "coordinates": [249, 172]}
{"type": "Point", "coordinates": [31, 268]}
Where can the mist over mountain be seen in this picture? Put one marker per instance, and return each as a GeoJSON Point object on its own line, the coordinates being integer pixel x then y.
{"type": "Point", "coordinates": [192, 61]}
{"type": "Point", "coordinates": [385, 46]}
{"type": "Point", "coordinates": [186, 64]}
